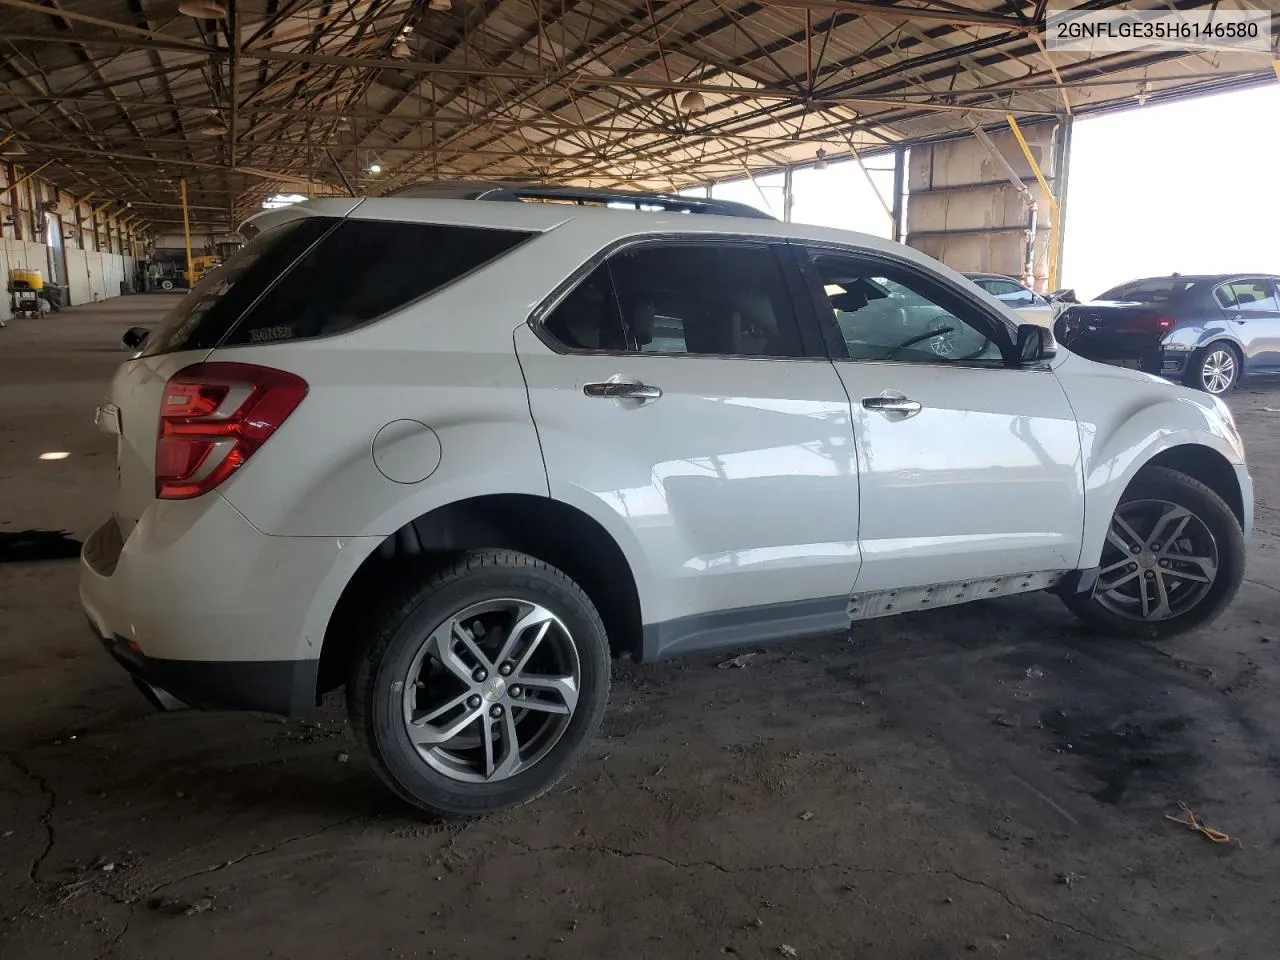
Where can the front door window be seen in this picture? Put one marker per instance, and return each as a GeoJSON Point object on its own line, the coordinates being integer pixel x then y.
{"type": "Point", "coordinates": [893, 318]}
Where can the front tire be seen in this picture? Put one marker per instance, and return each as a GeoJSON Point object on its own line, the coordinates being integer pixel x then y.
{"type": "Point", "coordinates": [1172, 561]}
{"type": "Point", "coordinates": [1215, 369]}
{"type": "Point", "coordinates": [482, 686]}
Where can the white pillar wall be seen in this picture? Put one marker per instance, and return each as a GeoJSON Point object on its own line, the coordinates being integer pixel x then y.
{"type": "Point", "coordinates": [91, 274]}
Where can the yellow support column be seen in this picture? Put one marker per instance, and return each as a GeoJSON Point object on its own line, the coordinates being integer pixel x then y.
{"type": "Point", "coordinates": [186, 235]}
{"type": "Point", "coordinates": [1055, 231]}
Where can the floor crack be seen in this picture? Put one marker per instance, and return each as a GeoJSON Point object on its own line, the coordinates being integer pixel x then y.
{"type": "Point", "coordinates": [846, 868]}
{"type": "Point", "coordinates": [114, 943]}
{"type": "Point", "coordinates": [46, 818]}
{"type": "Point", "coordinates": [243, 857]}
{"type": "Point", "coordinates": [1047, 919]}
{"type": "Point", "coordinates": [1265, 586]}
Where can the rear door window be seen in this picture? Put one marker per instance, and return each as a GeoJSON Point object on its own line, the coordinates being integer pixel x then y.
{"type": "Point", "coordinates": [724, 299]}
{"type": "Point", "coordinates": [708, 298]}
{"type": "Point", "coordinates": [1248, 296]}
{"type": "Point", "coordinates": [365, 269]}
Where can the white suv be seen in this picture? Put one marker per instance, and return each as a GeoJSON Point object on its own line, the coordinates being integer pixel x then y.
{"type": "Point", "coordinates": [452, 454]}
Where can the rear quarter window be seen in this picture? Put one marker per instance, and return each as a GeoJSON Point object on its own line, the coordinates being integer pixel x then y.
{"type": "Point", "coordinates": [365, 269]}
{"type": "Point", "coordinates": [207, 314]}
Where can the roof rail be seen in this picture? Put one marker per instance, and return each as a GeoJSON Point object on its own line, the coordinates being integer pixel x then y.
{"type": "Point", "coordinates": [582, 196]}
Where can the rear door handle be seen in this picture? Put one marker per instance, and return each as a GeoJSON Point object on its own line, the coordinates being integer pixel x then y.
{"type": "Point", "coordinates": [893, 405]}
{"type": "Point", "coordinates": [622, 390]}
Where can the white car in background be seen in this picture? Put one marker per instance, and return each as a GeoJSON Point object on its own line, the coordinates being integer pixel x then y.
{"type": "Point", "coordinates": [1031, 306]}
{"type": "Point", "coordinates": [452, 454]}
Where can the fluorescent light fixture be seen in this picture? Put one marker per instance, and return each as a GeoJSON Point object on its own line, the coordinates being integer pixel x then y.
{"type": "Point", "coordinates": [55, 455]}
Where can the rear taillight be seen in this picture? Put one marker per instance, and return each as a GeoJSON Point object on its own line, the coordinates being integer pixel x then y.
{"type": "Point", "coordinates": [213, 417]}
{"type": "Point", "coordinates": [1145, 323]}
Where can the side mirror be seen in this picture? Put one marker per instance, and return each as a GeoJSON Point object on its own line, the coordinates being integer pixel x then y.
{"type": "Point", "coordinates": [134, 336]}
{"type": "Point", "coordinates": [1035, 344]}
{"type": "Point", "coordinates": [1065, 295]}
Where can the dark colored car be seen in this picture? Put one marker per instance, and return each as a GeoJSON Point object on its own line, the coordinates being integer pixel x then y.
{"type": "Point", "coordinates": [1205, 331]}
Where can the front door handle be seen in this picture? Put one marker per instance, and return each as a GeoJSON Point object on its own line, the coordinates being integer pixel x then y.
{"type": "Point", "coordinates": [622, 390]}
{"type": "Point", "coordinates": [893, 405]}
{"type": "Point", "coordinates": [1239, 319]}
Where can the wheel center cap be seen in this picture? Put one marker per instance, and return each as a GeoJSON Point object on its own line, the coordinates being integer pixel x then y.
{"type": "Point", "coordinates": [1148, 560]}
{"type": "Point", "coordinates": [493, 689]}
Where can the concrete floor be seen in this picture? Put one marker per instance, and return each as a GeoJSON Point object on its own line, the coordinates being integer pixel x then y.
{"type": "Point", "coordinates": [985, 782]}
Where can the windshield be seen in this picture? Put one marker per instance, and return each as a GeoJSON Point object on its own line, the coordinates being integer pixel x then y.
{"type": "Point", "coordinates": [1159, 290]}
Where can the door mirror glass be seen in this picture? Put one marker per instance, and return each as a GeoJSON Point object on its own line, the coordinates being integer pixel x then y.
{"type": "Point", "coordinates": [1035, 343]}
{"type": "Point", "coordinates": [134, 336]}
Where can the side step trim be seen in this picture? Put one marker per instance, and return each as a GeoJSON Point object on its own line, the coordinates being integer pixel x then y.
{"type": "Point", "coordinates": [886, 603]}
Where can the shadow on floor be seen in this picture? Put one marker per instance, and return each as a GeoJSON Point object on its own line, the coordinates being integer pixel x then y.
{"type": "Point", "coordinates": [26, 546]}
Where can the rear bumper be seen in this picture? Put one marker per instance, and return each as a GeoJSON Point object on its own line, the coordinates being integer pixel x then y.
{"type": "Point", "coordinates": [1163, 363]}
{"type": "Point", "coordinates": [201, 604]}
{"type": "Point", "coordinates": [1135, 351]}
{"type": "Point", "coordinates": [286, 687]}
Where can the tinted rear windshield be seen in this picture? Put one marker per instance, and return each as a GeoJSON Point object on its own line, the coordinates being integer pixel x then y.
{"type": "Point", "coordinates": [318, 275]}
{"type": "Point", "coordinates": [1149, 291]}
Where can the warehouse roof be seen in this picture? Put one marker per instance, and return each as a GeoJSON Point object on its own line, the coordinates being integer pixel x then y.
{"type": "Point", "coordinates": [259, 96]}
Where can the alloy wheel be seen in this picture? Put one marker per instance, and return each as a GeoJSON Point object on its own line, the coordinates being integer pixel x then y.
{"type": "Point", "coordinates": [944, 344]}
{"type": "Point", "coordinates": [1218, 372]}
{"type": "Point", "coordinates": [1160, 561]}
{"type": "Point", "coordinates": [491, 690]}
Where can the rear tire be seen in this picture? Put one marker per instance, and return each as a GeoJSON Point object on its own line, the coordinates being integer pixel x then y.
{"type": "Point", "coordinates": [454, 677]}
{"type": "Point", "coordinates": [1184, 533]}
{"type": "Point", "coordinates": [1214, 369]}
